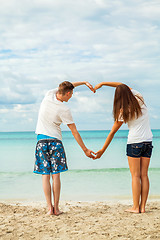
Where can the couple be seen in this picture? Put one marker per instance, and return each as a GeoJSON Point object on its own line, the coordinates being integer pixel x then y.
{"type": "Point", "coordinates": [128, 107]}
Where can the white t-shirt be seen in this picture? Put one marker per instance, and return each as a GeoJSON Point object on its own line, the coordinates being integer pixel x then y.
{"type": "Point", "coordinates": [139, 128]}
{"type": "Point", "coordinates": [51, 114]}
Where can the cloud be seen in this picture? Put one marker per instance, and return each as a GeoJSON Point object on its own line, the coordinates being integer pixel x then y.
{"type": "Point", "coordinates": [15, 89]}
{"type": "Point", "coordinates": [88, 102]}
{"type": "Point", "coordinates": [45, 42]}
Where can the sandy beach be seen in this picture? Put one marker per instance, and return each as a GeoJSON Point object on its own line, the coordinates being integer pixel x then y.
{"type": "Point", "coordinates": [80, 220]}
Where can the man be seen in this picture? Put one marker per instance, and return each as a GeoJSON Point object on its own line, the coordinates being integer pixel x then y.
{"type": "Point", "coordinates": [50, 155]}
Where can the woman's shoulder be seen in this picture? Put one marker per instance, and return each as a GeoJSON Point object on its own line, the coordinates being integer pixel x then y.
{"type": "Point", "coordinates": [135, 92]}
{"type": "Point", "coordinates": [138, 96]}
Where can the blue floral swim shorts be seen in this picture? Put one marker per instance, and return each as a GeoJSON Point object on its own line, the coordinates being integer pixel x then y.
{"type": "Point", "coordinates": [50, 157]}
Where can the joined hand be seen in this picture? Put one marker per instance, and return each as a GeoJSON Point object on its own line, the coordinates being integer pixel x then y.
{"type": "Point", "coordinates": [99, 85]}
{"type": "Point", "coordinates": [90, 87]}
{"type": "Point", "coordinates": [89, 153]}
{"type": "Point", "coordinates": [98, 154]}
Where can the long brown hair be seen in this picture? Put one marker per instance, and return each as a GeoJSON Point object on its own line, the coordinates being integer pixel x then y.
{"type": "Point", "coordinates": [125, 104]}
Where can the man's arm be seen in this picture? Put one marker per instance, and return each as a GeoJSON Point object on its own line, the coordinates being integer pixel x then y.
{"type": "Point", "coordinates": [114, 129]}
{"type": "Point", "coordinates": [79, 140]}
{"type": "Point", "coordinates": [109, 84]}
{"type": "Point", "coordinates": [76, 84]}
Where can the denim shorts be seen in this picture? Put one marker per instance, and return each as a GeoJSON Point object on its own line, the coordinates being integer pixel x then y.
{"type": "Point", "coordinates": [50, 157]}
{"type": "Point", "coordinates": [137, 150]}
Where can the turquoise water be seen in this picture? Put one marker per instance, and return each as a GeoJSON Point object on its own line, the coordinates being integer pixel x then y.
{"type": "Point", "coordinates": [102, 179]}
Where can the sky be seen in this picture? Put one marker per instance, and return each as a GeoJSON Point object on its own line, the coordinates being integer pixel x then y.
{"type": "Point", "coordinates": [45, 42]}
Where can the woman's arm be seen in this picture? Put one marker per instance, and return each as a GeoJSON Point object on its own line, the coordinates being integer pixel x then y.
{"type": "Point", "coordinates": [76, 84]}
{"type": "Point", "coordinates": [114, 129]}
{"type": "Point", "coordinates": [110, 84]}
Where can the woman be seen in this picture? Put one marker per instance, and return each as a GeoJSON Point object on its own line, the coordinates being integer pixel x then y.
{"type": "Point", "coordinates": [129, 107]}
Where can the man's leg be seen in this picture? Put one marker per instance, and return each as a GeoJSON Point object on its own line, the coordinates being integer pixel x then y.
{"type": "Point", "coordinates": [134, 165]}
{"type": "Point", "coordinates": [144, 182]}
{"type": "Point", "coordinates": [47, 192]}
{"type": "Point", "coordinates": [56, 192]}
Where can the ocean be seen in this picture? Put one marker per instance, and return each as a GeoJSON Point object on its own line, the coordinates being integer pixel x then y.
{"type": "Point", "coordinates": [107, 178]}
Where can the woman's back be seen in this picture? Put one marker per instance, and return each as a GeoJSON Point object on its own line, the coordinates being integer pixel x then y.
{"type": "Point", "coordinates": [139, 128]}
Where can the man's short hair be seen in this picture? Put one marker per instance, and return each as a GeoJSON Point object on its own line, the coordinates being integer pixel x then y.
{"type": "Point", "coordinates": [65, 87]}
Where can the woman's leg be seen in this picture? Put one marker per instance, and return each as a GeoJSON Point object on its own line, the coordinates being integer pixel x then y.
{"type": "Point", "coordinates": [47, 192]}
{"type": "Point", "coordinates": [56, 192]}
{"type": "Point", "coordinates": [134, 166]}
{"type": "Point", "coordinates": [144, 182]}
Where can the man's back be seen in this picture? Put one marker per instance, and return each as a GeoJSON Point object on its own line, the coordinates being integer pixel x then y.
{"type": "Point", "coordinates": [51, 114]}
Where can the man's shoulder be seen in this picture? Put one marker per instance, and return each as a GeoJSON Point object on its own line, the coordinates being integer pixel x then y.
{"type": "Point", "coordinates": [65, 107]}
{"type": "Point", "coordinates": [50, 95]}
{"type": "Point", "coordinates": [51, 92]}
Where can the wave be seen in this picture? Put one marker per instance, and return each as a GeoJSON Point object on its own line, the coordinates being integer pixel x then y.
{"type": "Point", "coordinates": [107, 170]}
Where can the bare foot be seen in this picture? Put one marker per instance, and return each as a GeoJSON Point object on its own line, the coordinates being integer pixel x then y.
{"type": "Point", "coordinates": [142, 210]}
{"type": "Point", "coordinates": [51, 211]}
{"type": "Point", "coordinates": [132, 210]}
{"type": "Point", "coordinates": [57, 212]}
